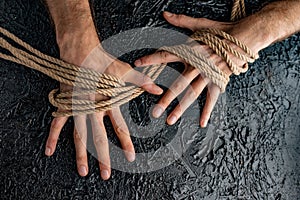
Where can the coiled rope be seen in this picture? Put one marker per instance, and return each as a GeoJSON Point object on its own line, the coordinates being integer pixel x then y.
{"type": "Point", "coordinates": [69, 103]}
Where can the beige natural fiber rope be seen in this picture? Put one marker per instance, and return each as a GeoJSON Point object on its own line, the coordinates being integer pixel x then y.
{"type": "Point", "coordinates": [238, 10]}
{"type": "Point", "coordinates": [91, 82]}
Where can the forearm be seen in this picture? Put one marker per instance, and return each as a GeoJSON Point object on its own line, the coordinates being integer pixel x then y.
{"type": "Point", "coordinates": [70, 17]}
{"type": "Point", "coordinates": [275, 22]}
{"type": "Point", "coordinates": [282, 19]}
{"type": "Point", "coordinates": [76, 34]}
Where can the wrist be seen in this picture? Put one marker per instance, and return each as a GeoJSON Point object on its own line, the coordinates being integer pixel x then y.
{"type": "Point", "coordinates": [273, 23]}
{"type": "Point", "coordinates": [75, 31]}
{"type": "Point", "coordinates": [75, 46]}
{"type": "Point", "coordinates": [70, 17]}
{"type": "Point", "coordinates": [282, 19]}
{"type": "Point", "coordinates": [253, 32]}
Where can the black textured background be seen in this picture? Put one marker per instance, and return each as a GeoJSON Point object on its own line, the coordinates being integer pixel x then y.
{"type": "Point", "coordinates": [255, 152]}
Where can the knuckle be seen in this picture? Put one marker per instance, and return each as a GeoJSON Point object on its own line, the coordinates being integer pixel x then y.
{"type": "Point", "coordinates": [179, 110]}
{"type": "Point", "coordinates": [81, 159]}
{"type": "Point", "coordinates": [147, 81]}
{"type": "Point", "coordinates": [224, 67]}
{"type": "Point", "coordinates": [143, 78]}
{"type": "Point", "coordinates": [51, 141]}
{"type": "Point", "coordinates": [126, 65]}
{"type": "Point", "coordinates": [146, 78]}
{"type": "Point", "coordinates": [177, 87]}
{"type": "Point", "coordinates": [164, 102]}
{"type": "Point", "coordinates": [180, 18]}
{"type": "Point", "coordinates": [121, 131]}
{"type": "Point", "coordinates": [77, 136]}
{"type": "Point", "coordinates": [100, 140]}
{"type": "Point", "coordinates": [144, 59]}
{"type": "Point", "coordinates": [127, 145]}
{"type": "Point", "coordinates": [164, 55]}
{"type": "Point", "coordinates": [191, 94]}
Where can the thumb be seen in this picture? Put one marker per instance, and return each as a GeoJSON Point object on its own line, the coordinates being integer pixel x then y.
{"type": "Point", "coordinates": [194, 24]}
{"type": "Point", "coordinates": [143, 81]}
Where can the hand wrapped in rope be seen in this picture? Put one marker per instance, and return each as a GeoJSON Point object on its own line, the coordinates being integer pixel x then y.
{"type": "Point", "coordinates": [210, 58]}
{"type": "Point", "coordinates": [90, 81]}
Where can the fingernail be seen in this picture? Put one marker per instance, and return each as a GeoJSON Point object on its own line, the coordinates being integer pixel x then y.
{"type": "Point", "coordinates": [105, 174]}
{"type": "Point", "coordinates": [138, 62]}
{"type": "Point", "coordinates": [168, 14]}
{"type": "Point", "coordinates": [157, 111]}
{"type": "Point", "coordinates": [204, 123]}
{"type": "Point", "coordinates": [82, 170]}
{"type": "Point", "coordinates": [130, 156]}
{"type": "Point", "coordinates": [172, 119]}
{"type": "Point", "coordinates": [48, 151]}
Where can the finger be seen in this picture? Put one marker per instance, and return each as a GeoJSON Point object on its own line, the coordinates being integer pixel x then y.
{"type": "Point", "coordinates": [101, 144]}
{"type": "Point", "coordinates": [55, 129]}
{"type": "Point", "coordinates": [220, 63]}
{"type": "Point", "coordinates": [80, 138]}
{"type": "Point", "coordinates": [194, 24]}
{"type": "Point", "coordinates": [211, 99]}
{"type": "Point", "coordinates": [190, 96]}
{"type": "Point", "coordinates": [122, 132]}
{"type": "Point", "coordinates": [143, 81]}
{"type": "Point", "coordinates": [175, 89]}
{"type": "Point", "coordinates": [157, 58]}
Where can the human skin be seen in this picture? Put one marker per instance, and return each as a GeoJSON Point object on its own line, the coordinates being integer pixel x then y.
{"type": "Point", "coordinates": [275, 22]}
{"type": "Point", "coordinates": [76, 38]}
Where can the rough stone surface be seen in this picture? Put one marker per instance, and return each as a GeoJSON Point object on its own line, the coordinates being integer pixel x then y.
{"type": "Point", "coordinates": [249, 151]}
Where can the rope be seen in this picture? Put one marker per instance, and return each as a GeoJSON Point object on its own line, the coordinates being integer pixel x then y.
{"type": "Point", "coordinates": [238, 10]}
{"type": "Point", "coordinates": [118, 93]}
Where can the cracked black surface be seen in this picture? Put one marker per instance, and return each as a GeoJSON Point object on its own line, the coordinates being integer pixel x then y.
{"type": "Point", "coordinates": [249, 151]}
